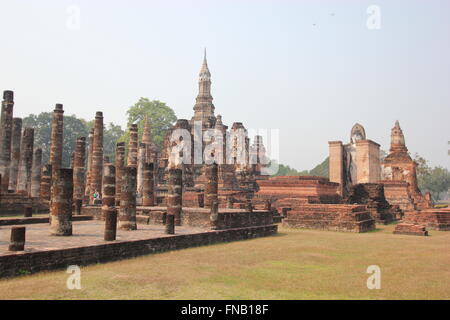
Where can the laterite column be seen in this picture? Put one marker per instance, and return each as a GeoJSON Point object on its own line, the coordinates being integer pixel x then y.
{"type": "Point", "coordinates": [15, 152]}
{"type": "Point", "coordinates": [211, 186]}
{"type": "Point", "coordinates": [97, 157]}
{"type": "Point", "coordinates": [148, 195]}
{"type": "Point", "coordinates": [5, 138]}
{"type": "Point", "coordinates": [127, 211]}
{"type": "Point", "coordinates": [174, 197]}
{"type": "Point", "coordinates": [120, 165]}
{"type": "Point", "coordinates": [46, 182]}
{"type": "Point", "coordinates": [26, 162]}
{"type": "Point", "coordinates": [36, 174]}
{"type": "Point", "coordinates": [109, 189]}
{"type": "Point", "coordinates": [61, 203]}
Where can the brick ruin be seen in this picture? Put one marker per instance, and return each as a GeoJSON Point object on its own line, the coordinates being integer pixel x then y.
{"type": "Point", "coordinates": [149, 186]}
{"type": "Point", "coordinates": [399, 175]}
{"type": "Point", "coordinates": [221, 188]}
{"type": "Point", "coordinates": [355, 162]}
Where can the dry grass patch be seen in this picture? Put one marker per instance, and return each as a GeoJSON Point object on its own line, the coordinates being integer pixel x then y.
{"type": "Point", "coordinates": [296, 264]}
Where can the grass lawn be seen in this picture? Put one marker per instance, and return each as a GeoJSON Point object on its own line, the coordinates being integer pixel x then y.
{"type": "Point", "coordinates": [296, 264]}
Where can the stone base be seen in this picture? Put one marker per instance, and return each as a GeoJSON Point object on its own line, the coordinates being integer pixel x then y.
{"type": "Point", "coordinates": [13, 264]}
{"type": "Point", "coordinates": [410, 229]}
{"type": "Point", "coordinates": [334, 217]}
{"type": "Point", "coordinates": [434, 219]}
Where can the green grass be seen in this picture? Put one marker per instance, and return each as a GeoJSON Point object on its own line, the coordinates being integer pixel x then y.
{"type": "Point", "coordinates": [296, 264]}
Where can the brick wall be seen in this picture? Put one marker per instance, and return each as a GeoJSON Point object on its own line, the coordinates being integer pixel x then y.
{"type": "Point", "coordinates": [14, 264]}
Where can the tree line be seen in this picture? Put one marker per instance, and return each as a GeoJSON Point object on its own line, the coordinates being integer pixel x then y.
{"type": "Point", "coordinates": [160, 116]}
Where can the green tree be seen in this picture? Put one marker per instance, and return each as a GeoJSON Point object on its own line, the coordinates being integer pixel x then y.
{"type": "Point", "coordinates": [321, 170]}
{"type": "Point", "coordinates": [435, 180]}
{"type": "Point", "coordinates": [111, 135]}
{"type": "Point", "coordinates": [73, 128]}
{"type": "Point", "coordinates": [160, 116]}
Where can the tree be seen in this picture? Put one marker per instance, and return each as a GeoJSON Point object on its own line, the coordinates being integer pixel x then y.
{"type": "Point", "coordinates": [42, 124]}
{"type": "Point", "coordinates": [160, 116]}
{"type": "Point", "coordinates": [111, 134]}
{"type": "Point", "coordinates": [321, 170]}
{"type": "Point", "coordinates": [435, 180]}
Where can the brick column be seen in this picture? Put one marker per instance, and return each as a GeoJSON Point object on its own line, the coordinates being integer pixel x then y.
{"type": "Point", "coordinates": [56, 140]}
{"type": "Point", "coordinates": [148, 195]}
{"type": "Point", "coordinates": [26, 162]}
{"type": "Point", "coordinates": [61, 203]}
{"type": "Point", "coordinates": [120, 165]}
{"type": "Point", "coordinates": [78, 169]}
{"type": "Point", "coordinates": [110, 225]}
{"type": "Point", "coordinates": [127, 211]}
{"type": "Point", "coordinates": [46, 180]}
{"type": "Point", "coordinates": [87, 189]}
{"type": "Point", "coordinates": [36, 174]}
{"type": "Point", "coordinates": [133, 146]}
{"type": "Point", "coordinates": [5, 138]}
{"type": "Point", "coordinates": [109, 189]}
{"type": "Point", "coordinates": [17, 239]}
{"type": "Point", "coordinates": [97, 157]}
{"type": "Point", "coordinates": [214, 215]}
{"type": "Point", "coordinates": [174, 197]}
{"type": "Point", "coordinates": [140, 169]}
{"type": "Point", "coordinates": [15, 152]}
{"type": "Point", "coordinates": [211, 186]}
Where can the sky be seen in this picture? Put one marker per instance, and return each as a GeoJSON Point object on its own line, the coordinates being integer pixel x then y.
{"type": "Point", "coordinates": [311, 69]}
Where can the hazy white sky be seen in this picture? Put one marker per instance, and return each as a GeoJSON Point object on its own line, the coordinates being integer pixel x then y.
{"type": "Point", "coordinates": [309, 68]}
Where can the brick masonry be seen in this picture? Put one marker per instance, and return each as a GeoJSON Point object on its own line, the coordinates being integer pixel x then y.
{"type": "Point", "coordinates": [18, 263]}
{"type": "Point", "coordinates": [410, 229]}
{"type": "Point", "coordinates": [349, 218]}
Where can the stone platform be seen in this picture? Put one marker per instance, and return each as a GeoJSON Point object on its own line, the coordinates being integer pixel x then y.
{"type": "Point", "coordinates": [410, 229]}
{"type": "Point", "coordinates": [434, 219]}
{"type": "Point", "coordinates": [333, 217]}
{"type": "Point", "coordinates": [86, 246]}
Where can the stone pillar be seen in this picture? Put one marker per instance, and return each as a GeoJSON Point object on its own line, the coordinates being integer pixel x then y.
{"type": "Point", "coordinates": [127, 211]}
{"type": "Point", "coordinates": [268, 205]}
{"type": "Point", "coordinates": [211, 186]}
{"type": "Point", "coordinates": [46, 182]}
{"type": "Point", "coordinates": [109, 189]}
{"type": "Point", "coordinates": [110, 225]}
{"type": "Point", "coordinates": [133, 146]}
{"type": "Point", "coordinates": [78, 169]}
{"type": "Point", "coordinates": [56, 140]}
{"type": "Point", "coordinates": [28, 212]}
{"type": "Point", "coordinates": [201, 200]}
{"type": "Point", "coordinates": [148, 195]}
{"type": "Point", "coordinates": [214, 215]}
{"type": "Point", "coordinates": [336, 170]}
{"type": "Point", "coordinates": [36, 174]}
{"type": "Point", "coordinates": [17, 239]}
{"type": "Point", "coordinates": [120, 165]}
{"type": "Point", "coordinates": [26, 162]}
{"type": "Point", "coordinates": [170, 224]}
{"type": "Point", "coordinates": [140, 169]}
{"type": "Point", "coordinates": [229, 203]}
{"type": "Point", "coordinates": [15, 153]}
{"type": "Point", "coordinates": [87, 190]}
{"type": "Point", "coordinates": [6, 138]}
{"type": "Point", "coordinates": [97, 157]}
{"type": "Point", "coordinates": [61, 202]}
{"type": "Point", "coordinates": [174, 197]}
